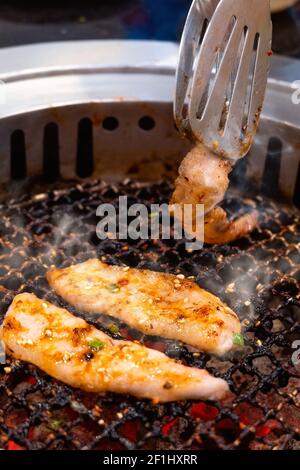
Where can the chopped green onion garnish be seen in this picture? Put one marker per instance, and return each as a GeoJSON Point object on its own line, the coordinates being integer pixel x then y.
{"type": "Point", "coordinates": [55, 424]}
{"type": "Point", "coordinates": [238, 339]}
{"type": "Point", "coordinates": [113, 287]}
{"type": "Point", "coordinates": [114, 329]}
{"type": "Point", "coordinates": [96, 344]}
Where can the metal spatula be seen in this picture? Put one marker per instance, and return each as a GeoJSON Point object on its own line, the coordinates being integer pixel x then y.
{"type": "Point", "coordinates": [222, 73]}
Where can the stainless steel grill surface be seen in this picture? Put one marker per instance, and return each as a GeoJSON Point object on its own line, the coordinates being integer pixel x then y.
{"type": "Point", "coordinates": [258, 277]}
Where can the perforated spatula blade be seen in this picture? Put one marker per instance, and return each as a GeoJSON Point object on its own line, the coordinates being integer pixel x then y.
{"type": "Point", "coordinates": [222, 73]}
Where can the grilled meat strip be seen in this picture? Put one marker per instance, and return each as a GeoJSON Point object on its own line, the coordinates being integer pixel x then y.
{"type": "Point", "coordinates": [154, 303]}
{"type": "Point", "coordinates": [71, 350]}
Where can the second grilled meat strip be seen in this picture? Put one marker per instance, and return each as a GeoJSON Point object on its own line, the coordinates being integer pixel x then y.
{"type": "Point", "coordinates": [71, 350]}
{"type": "Point", "coordinates": [155, 303]}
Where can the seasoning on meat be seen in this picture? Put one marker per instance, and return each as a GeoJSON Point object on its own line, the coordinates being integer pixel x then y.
{"type": "Point", "coordinates": [82, 356]}
{"type": "Point", "coordinates": [155, 303]}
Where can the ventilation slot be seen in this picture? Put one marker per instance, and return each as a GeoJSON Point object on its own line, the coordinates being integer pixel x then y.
{"type": "Point", "coordinates": [17, 155]}
{"type": "Point", "coordinates": [232, 81]}
{"type": "Point", "coordinates": [190, 65]}
{"type": "Point", "coordinates": [203, 31]}
{"type": "Point", "coordinates": [84, 160]}
{"type": "Point", "coordinates": [250, 88]}
{"type": "Point", "coordinates": [218, 60]}
{"type": "Point", "coordinates": [110, 123]}
{"type": "Point", "coordinates": [270, 180]}
{"type": "Point", "coordinates": [147, 123]}
{"type": "Point", "coordinates": [296, 199]}
{"type": "Point", "coordinates": [51, 152]}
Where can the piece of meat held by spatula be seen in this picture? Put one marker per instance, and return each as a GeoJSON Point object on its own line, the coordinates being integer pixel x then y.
{"type": "Point", "coordinates": [221, 80]}
{"type": "Point", "coordinates": [204, 179]}
{"type": "Point", "coordinates": [155, 303]}
{"type": "Point", "coordinates": [71, 350]}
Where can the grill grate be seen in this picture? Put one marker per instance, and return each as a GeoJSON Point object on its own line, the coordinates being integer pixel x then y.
{"type": "Point", "coordinates": [257, 276]}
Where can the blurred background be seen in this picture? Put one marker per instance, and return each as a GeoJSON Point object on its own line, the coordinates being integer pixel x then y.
{"type": "Point", "coordinates": [29, 21]}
